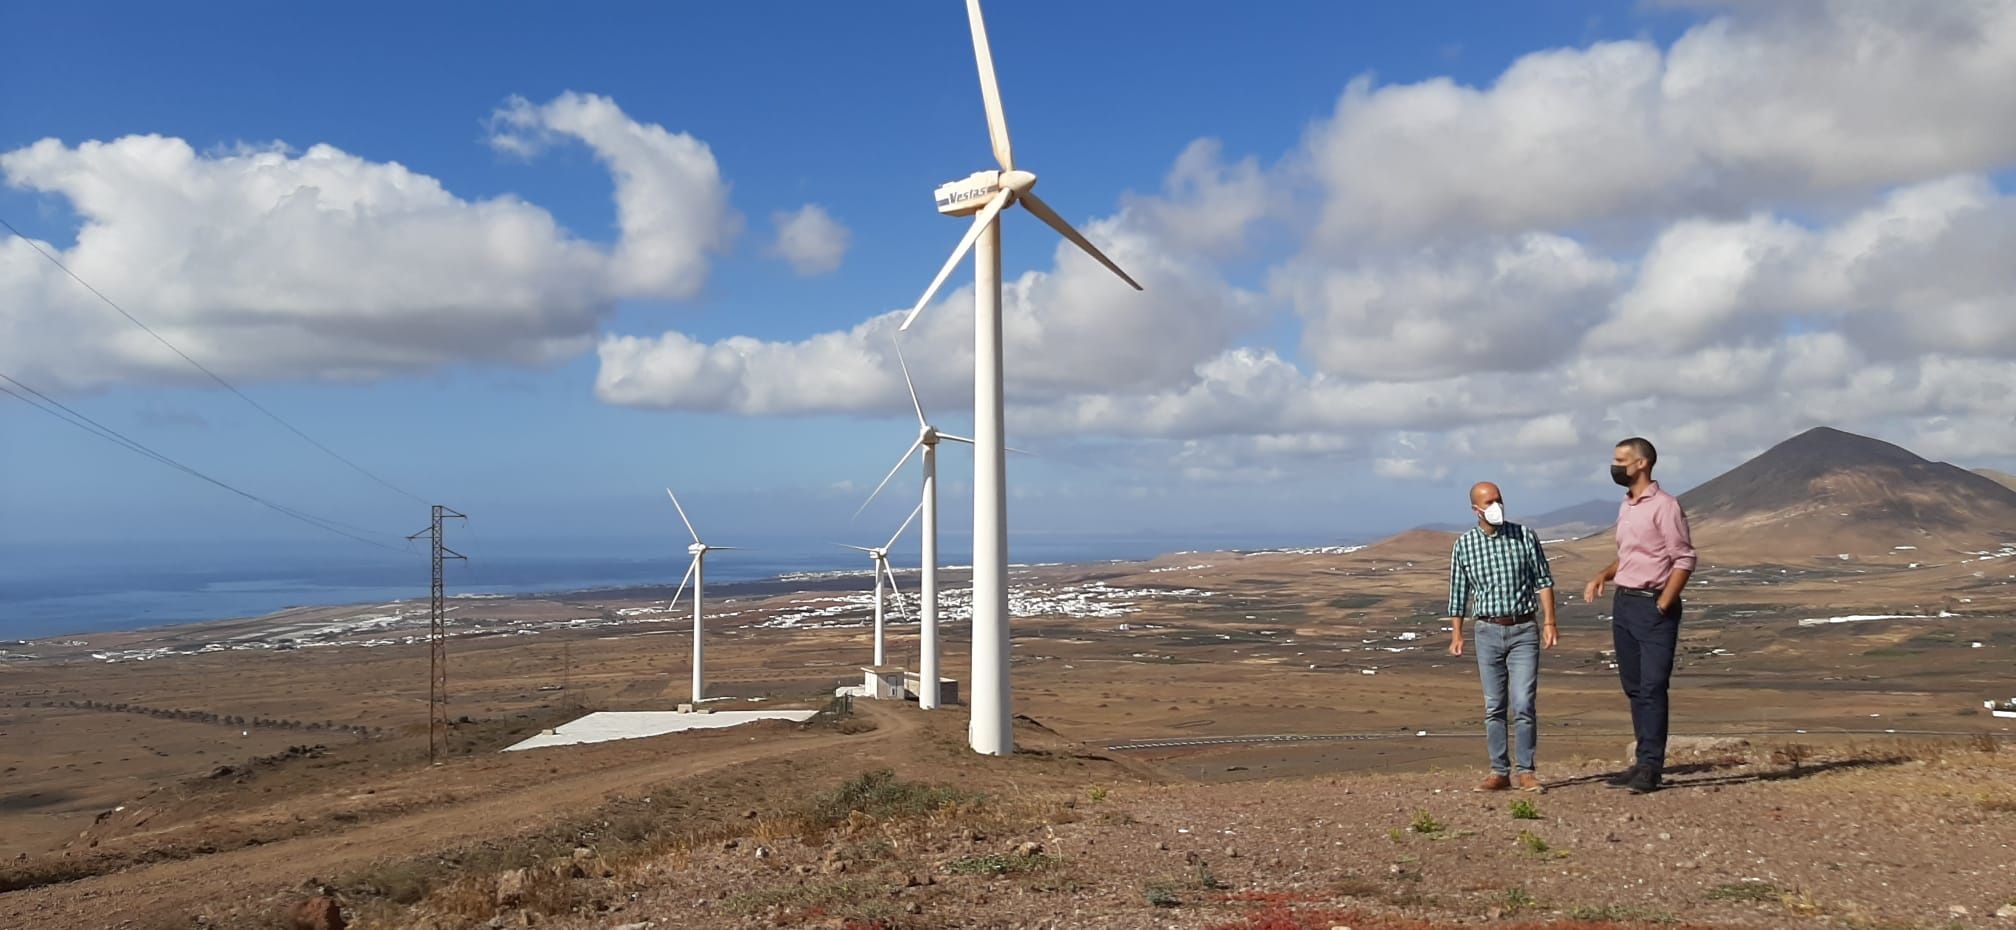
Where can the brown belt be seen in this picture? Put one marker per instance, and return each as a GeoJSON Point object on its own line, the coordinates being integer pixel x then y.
{"type": "Point", "coordinates": [1507, 621]}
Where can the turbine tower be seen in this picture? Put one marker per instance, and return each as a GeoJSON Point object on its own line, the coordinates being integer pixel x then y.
{"type": "Point", "coordinates": [983, 195]}
{"type": "Point", "coordinates": [695, 573]}
{"type": "Point", "coordinates": [879, 556]}
{"type": "Point", "coordinates": [928, 438]}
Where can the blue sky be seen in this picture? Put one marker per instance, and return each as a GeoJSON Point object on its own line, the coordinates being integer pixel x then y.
{"type": "Point", "coordinates": [862, 110]}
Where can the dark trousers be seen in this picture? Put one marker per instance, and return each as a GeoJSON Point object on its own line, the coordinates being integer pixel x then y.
{"type": "Point", "coordinates": [1646, 640]}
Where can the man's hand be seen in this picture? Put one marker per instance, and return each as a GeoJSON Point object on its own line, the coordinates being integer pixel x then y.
{"type": "Point", "coordinates": [1593, 590]}
{"type": "Point", "coordinates": [1549, 635]}
{"type": "Point", "coordinates": [1666, 603]}
{"type": "Point", "coordinates": [1456, 642]}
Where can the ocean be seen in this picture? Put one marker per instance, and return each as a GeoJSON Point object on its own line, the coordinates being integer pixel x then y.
{"type": "Point", "coordinates": [68, 588]}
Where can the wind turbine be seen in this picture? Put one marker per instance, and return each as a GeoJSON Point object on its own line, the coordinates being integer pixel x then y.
{"type": "Point", "coordinates": [983, 195]}
{"type": "Point", "coordinates": [880, 557]}
{"type": "Point", "coordinates": [695, 573]}
{"type": "Point", "coordinates": [928, 437]}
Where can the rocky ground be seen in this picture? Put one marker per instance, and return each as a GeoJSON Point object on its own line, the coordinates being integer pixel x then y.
{"type": "Point", "coordinates": [1876, 836]}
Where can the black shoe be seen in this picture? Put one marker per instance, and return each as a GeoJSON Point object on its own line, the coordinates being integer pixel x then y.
{"type": "Point", "coordinates": [1645, 781]}
{"type": "Point", "coordinates": [1621, 779]}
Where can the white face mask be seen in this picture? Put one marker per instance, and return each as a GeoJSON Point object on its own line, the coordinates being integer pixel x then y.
{"type": "Point", "coordinates": [1494, 514]}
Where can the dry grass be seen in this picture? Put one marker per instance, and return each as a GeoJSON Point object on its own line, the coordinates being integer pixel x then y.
{"type": "Point", "coordinates": [871, 817]}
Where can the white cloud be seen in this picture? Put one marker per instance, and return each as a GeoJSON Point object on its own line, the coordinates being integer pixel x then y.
{"type": "Point", "coordinates": [811, 240]}
{"type": "Point", "coordinates": [1208, 206]}
{"type": "Point", "coordinates": [1070, 330]}
{"type": "Point", "coordinates": [269, 264]}
{"type": "Point", "coordinates": [1510, 305]}
{"type": "Point", "coordinates": [1409, 470]}
{"type": "Point", "coordinates": [1766, 101]}
{"type": "Point", "coordinates": [671, 203]}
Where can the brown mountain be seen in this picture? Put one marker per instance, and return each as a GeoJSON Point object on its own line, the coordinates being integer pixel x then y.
{"type": "Point", "coordinates": [1825, 492]}
{"type": "Point", "coordinates": [2002, 478]}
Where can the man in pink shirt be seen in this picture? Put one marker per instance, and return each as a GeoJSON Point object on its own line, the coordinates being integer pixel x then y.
{"type": "Point", "coordinates": [1655, 556]}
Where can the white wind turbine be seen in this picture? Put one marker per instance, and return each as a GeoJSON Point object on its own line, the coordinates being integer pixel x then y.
{"type": "Point", "coordinates": [984, 195]}
{"type": "Point", "coordinates": [928, 437]}
{"type": "Point", "coordinates": [695, 573]}
{"type": "Point", "coordinates": [879, 556]}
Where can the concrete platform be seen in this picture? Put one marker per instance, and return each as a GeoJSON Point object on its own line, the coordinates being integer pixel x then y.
{"type": "Point", "coordinates": [619, 724]}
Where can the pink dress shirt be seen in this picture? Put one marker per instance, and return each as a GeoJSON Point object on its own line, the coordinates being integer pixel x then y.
{"type": "Point", "coordinates": [1652, 540]}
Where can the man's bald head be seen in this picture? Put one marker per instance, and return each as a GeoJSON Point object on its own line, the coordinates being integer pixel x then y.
{"type": "Point", "coordinates": [1484, 494]}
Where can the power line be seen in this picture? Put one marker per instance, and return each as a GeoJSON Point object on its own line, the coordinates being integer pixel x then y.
{"type": "Point", "coordinates": [57, 409]}
{"type": "Point", "coordinates": [200, 366]}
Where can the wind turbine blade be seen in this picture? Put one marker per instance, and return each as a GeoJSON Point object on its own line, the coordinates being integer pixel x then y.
{"type": "Point", "coordinates": [1035, 204]}
{"type": "Point", "coordinates": [682, 514]}
{"type": "Point", "coordinates": [980, 221]}
{"type": "Point", "coordinates": [970, 442]}
{"type": "Point", "coordinates": [890, 573]}
{"type": "Point", "coordinates": [856, 548]}
{"type": "Point", "coordinates": [907, 453]}
{"type": "Point", "coordinates": [990, 90]}
{"type": "Point", "coordinates": [912, 385]}
{"type": "Point", "coordinates": [682, 584]}
{"type": "Point", "coordinates": [723, 548]}
{"type": "Point", "coordinates": [914, 511]}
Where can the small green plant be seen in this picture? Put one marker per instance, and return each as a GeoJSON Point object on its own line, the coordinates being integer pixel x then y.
{"type": "Point", "coordinates": [1002, 865]}
{"type": "Point", "coordinates": [1532, 842]}
{"type": "Point", "coordinates": [1745, 892]}
{"type": "Point", "coordinates": [1516, 900]}
{"type": "Point", "coordinates": [1523, 809]}
{"type": "Point", "coordinates": [1396, 834]}
{"type": "Point", "coordinates": [880, 795]}
{"type": "Point", "coordinates": [1161, 896]}
{"type": "Point", "coordinates": [1425, 823]}
{"type": "Point", "coordinates": [1206, 880]}
{"type": "Point", "coordinates": [1098, 793]}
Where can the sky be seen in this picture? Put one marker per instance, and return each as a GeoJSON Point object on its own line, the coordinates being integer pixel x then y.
{"type": "Point", "coordinates": [539, 265]}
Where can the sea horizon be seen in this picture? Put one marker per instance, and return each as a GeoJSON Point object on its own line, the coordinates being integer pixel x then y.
{"type": "Point", "coordinates": [78, 588]}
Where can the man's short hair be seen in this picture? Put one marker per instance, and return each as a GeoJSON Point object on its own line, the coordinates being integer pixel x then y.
{"type": "Point", "coordinates": [1641, 448]}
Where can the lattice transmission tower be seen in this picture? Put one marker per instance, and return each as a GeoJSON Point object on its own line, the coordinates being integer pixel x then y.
{"type": "Point", "coordinates": [437, 640]}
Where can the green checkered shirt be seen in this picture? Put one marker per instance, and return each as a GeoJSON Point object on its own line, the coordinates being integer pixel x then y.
{"type": "Point", "coordinates": [1503, 570]}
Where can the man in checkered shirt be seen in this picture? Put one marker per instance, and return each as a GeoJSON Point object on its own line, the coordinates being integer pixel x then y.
{"type": "Point", "coordinates": [1498, 575]}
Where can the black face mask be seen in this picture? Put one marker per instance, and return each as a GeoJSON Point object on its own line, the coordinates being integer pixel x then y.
{"type": "Point", "coordinates": [1619, 475]}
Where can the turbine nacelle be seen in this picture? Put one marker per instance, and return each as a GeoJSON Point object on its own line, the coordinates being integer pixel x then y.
{"type": "Point", "coordinates": [967, 195]}
{"type": "Point", "coordinates": [697, 550]}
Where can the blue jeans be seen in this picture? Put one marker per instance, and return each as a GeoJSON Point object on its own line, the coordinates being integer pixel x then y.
{"type": "Point", "coordinates": [1508, 661]}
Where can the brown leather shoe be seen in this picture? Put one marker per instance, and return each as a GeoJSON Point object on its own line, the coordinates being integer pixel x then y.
{"type": "Point", "coordinates": [1527, 781]}
{"type": "Point", "coordinates": [1495, 783]}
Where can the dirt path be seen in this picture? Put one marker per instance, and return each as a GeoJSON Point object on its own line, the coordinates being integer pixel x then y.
{"type": "Point", "coordinates": [255, 872]}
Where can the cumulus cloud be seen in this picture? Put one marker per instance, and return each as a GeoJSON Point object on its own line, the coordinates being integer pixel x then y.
{"type": "Point", "coordinates": [264, 263]}
{"type": "Point", "coordinates": [1068, 330]}
{"type": "Point", "coordinates": [671, 203]}
{"type": "Point", "coordinates": [1777, 100]}
{"type": "Point", "coordinates": [811, 240]}
{"type": "Point", "coordinates": [1509, 305]}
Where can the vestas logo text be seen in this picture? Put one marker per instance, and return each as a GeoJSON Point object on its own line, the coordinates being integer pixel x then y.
{"type": "Point", "coordinates": [963, 196]}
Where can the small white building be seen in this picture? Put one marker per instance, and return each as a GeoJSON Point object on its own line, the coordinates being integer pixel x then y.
{"type": "Point", "coordinates": [884, 682]}
{"type": "Point", "coordinates": [948, 688]}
